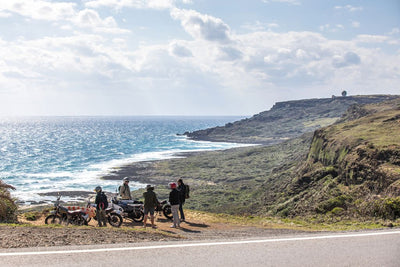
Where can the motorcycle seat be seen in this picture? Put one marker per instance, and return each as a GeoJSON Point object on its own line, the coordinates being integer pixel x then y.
{"type": "Point", "coordinates": [74, 211]}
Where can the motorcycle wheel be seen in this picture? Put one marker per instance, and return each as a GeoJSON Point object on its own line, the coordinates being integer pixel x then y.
{"type": "Point", "coordinates": [53, 219]}
{"type": "Point", "coordinates": [114, 219]}
{"type": "Point", "coordinates": [139, 218]}
{"type": "Point", "coordinates": [79, 220]}
{"type": "Point", "coordinates": [167, 212]}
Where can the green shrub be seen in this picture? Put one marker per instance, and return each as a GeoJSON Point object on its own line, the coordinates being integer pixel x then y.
{"type": "Point", "coordinates": [330, 204]}
{"type": "Point", "coordinates": [31, 216]}
{"type": "Point", "coordinates": [390, 208]}
{"type": "Point", "coordinates": [337, 211]}
{"type": "Point", "coordinates": [284, 213]}
{"type": "Point", "coordinates": [8, 208]}
{"type": "Point", "coordinates": [385, 208]}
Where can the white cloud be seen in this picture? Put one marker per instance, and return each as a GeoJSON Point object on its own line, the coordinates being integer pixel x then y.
{"type": "Point", "coordinates": [368, 38]}
{"type": "Point", "coordinates": [202, 26]}
{"type": "Point", "coordinates": [5, 14]}
{"type": "Point", "coordinates": [331, 28]}
{"type": "Point", "coordinates": [394, 31]}
{"type": "Point", "coordinates": [348, 59]}
{"type": "Point", "coordinates": [355, 24]}
{"type": "Point", "coordinates": [89, 18]}
{"type": "Point", "coordinates": [137, 4]}
{"type": "Point", "coordinates": [260, 26]}
{"type": "Point", "coordinates": [180, 50]}
{"type": "Point", "coordinates": [61, 12]}
{"type": "Point", "coordinates": [40, 9]}
{"type": "Point", "coordinates": [349, 8]}
{"type": "Point", "coordinates": [291, 2]}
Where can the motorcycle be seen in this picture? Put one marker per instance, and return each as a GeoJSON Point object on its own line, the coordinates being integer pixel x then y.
{"type": "Point", "coordinates": [61, 215]}
{"type": "Point", "coordinates": [165, 208]}
{"type": "Point", "coordinates": [112, 212]}
{"type": "Point", "coordinates": [130, 209]}
{"type": "Point", "coordinates": [134, 210]}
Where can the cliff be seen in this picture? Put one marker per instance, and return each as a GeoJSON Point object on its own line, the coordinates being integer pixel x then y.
{"type": "Point", "coordinates": [352, 167]}
{"type": "Point", "coordinates": [285, 120]}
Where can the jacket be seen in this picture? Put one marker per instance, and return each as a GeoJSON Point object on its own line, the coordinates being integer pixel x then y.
{"type": "Point", "coordinates": [125, 191]}
{"type": "Point", "coordinates": [174, 197]}
{"type": "Point", "coordinates": [150, 199]}
{"type": "Point", "coordinates": [182, 193]}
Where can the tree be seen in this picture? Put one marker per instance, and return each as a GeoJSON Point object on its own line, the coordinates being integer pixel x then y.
{"type": "Point", "coordinates": [8, 207]}
{"type": "Point", "coordinates": [344, 93]}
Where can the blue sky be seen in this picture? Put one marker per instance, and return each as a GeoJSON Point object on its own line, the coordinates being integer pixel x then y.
{"type": "Point", "coordinates": [191, 57]}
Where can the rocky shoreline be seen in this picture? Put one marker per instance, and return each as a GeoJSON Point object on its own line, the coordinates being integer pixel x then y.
{"type": "Point", "coordinates": [140, 172]}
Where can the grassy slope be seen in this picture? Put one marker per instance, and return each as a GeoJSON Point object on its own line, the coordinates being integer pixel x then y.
{"type": "Point", "coordinates": [232, 181]}
{"type": "Point", "coordinates": [353, 167]}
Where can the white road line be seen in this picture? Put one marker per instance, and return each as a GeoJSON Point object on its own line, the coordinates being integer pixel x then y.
{"type": "Point", "coordinates": [199, 244]}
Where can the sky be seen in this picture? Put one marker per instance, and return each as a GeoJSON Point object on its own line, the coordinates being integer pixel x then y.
{"type": "Point", "coordinates": [191, 57]}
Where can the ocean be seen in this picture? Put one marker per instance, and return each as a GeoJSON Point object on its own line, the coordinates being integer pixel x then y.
{"type": "Point", "coordinates": [49, 154]}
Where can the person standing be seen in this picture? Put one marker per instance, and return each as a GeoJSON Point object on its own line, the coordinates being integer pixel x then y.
{"type": "Point", "coordinates": [101, 206]}
{"type": "Point", "coordinates": [174, 201]}
{"type": "Point", "coordinates": [182, 197]}
{"type": "Point", "coordinates": [150, 202]}
{"type": "Point", "coordinates": [124, 190]}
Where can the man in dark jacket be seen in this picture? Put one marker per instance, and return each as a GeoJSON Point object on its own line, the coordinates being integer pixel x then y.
{"type": "Point", "coordinates": [150, 202]}
{"type": "Point", "coordinates": [182, 196]}
{"type": "Point", "coordinates": [101, 206]}
{"type": "Point", "coordinates": [174, 201]}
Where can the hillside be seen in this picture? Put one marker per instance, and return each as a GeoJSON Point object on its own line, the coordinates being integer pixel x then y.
{"type": "Point", "coordinates": [351, 169]}
{"type": "Point", "coordinates": [285, 120]}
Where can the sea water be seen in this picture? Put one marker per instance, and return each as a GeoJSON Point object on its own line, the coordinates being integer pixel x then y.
{"type": "Point", "coordinates": [50, 154]}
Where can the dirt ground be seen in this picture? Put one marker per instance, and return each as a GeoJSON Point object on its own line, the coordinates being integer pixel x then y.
{"type": "Point", "coordinates": [198, 226]}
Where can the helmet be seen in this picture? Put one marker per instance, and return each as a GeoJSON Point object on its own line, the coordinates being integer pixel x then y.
{"type": "Point", "coordinates": [98, 189]}
{"type": "Point", "coordinates": [172, 185]}
{"type": "Point", "coordinates": [125, 179]}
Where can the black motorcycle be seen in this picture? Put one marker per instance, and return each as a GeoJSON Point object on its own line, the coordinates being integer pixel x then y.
{"type": "Point", "coordinates": [165, 208]}
{"type": "Point", "coordinates": [134, 210]}
{"type": "Point", "coordinates": [130, 209]}
{"type": "Point", "coordinates": [61, 215]}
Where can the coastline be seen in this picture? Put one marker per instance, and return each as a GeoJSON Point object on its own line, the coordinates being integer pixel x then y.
{"type": "Point", "coordinates": [144, 171]}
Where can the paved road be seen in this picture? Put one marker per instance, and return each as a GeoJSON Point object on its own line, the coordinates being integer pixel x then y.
{"type": "Point", "coordinates": [370, 248]}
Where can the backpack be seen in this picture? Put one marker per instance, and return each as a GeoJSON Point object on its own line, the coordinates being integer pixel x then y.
{"type": "Point", "coordinates": [103, 202]}
{"type": "Point", "coordinates": [187, 190]}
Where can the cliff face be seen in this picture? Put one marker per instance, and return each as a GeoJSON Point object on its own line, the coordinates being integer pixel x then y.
{"type": "Point", "coordinates": [285, 120]}
{"type": "Point", "coordinates": [352, 166]}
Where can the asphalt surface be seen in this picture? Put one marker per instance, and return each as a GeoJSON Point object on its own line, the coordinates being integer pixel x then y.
{"type": "Point", "coordinates": [366, 248]}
